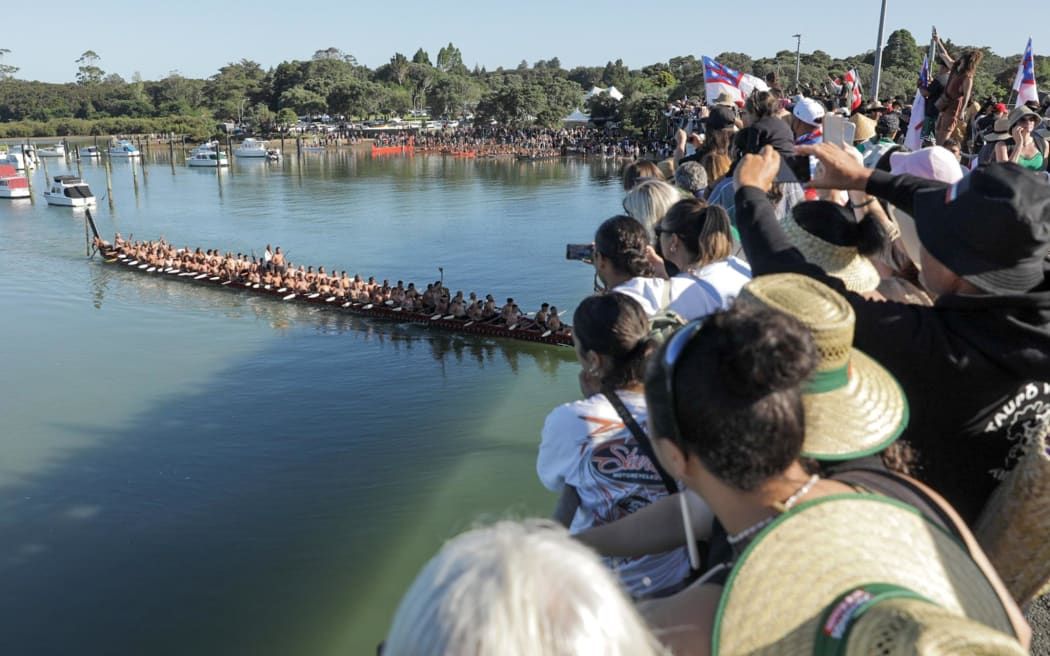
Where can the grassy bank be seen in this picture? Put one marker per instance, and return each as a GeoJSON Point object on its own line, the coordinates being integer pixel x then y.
{"type": "Point", "coordinates": [195, 127]}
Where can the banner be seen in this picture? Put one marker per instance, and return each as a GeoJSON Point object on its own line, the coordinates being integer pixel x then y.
{"type": "Point", "coordinates": [1024, 82]}
{"type": "Point", "coordinates": [913, 139]}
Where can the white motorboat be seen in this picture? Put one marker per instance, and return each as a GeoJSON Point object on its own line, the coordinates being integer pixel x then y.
{"type": "Point", "coordinates": [88, 152]}
{"type": "Point", "coordinates": [207, 155]}
{"type": "Point", "coordinates": [69, 191]}
{"type": "Point", "coordinates": [58, 150]}
{"type": "Point", "coordinates": [20, 156]}
{"type": "Point", "coordinates": [273, 154]}
{"type": "Point", "coordinates": [251, 148]}
{"type": "Point", "coordinates": [124, 148]}
{"type": "Point", "coordinates": [12, 185]}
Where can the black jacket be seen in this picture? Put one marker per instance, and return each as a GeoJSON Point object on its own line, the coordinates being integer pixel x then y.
{"type": "Point", "coordinates": [975, 369]}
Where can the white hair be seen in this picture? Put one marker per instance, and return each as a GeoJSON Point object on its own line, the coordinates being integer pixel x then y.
{"type": "Point", "coordinates": [649, 201]}
{"type": "Point", "coordinates": [517, 589]}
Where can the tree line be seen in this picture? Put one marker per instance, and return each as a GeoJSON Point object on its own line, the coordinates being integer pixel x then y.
{"type": "Point", "coordinates": [333, 82]}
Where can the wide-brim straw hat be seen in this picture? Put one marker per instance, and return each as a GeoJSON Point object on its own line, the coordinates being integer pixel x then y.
{"type": "Point", "coordinates": [865, 127]}
{"type": "Point", "coordinates": [865, 570]}
{"type": "Point", "coordinates": [1014, 527]}
{"type": "Point", "coordinates": [854, 407]}
{"type": "Point", "coordinates": [725, 99]}
{"type": "Point", "coordinates": [842, 262]}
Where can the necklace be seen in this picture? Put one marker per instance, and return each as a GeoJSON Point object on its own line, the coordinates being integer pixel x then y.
{"type": "Point", "coordinates": [779, 506]}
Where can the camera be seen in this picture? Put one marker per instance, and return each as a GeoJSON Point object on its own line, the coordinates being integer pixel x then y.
{"type": "Point", "coordinates": [582, 252]}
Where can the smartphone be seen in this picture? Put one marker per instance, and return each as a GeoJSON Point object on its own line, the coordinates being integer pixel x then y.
{"type": "Point", "coordinates": [799, 165]}
{"type": "Point", "coordinates": [581, 252]}
{"type": "Point", "coordinates": [838, 130]}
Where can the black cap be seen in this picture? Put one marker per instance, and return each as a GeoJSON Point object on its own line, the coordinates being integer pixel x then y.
{"type": "Point", "coordinates": [992, 228]}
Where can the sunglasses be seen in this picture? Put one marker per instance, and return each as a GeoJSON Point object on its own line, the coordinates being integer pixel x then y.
{"type": "Point", "coordinates": [676, 345]}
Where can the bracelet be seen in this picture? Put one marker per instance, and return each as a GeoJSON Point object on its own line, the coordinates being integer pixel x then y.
{"type": "Point", "coordinates": [870, 200]}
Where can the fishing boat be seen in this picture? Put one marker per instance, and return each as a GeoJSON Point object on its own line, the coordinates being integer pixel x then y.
{"type": "Point", "coordinates": [90, 152]}
{"type": "Point", "coordinates": [387, 311]}
{"type": "Point", "coordinates": [251, 148]}
{"type": "Point", "coordinates": [12, 185]}
{"type": "Point", "coordinates": [124, 148]}
{"type": "Point", "coordinates": [57, 150]}
{"type": "Point", "coordinates": [69, 191]}
{"type": "Point", "coordinates": [208, 155]}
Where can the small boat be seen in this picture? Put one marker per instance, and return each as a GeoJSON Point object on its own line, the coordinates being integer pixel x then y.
{"type": "Point", "coordinates": [20, 156]}
{"type": "Point", "coordinates": [88, 152]}
{"type": "Point", "coordinates": [313, 148]}
{"type": "Point", "coordinates": [273, 154]}
{"type": "Point", "coordinates": [208, 155]}
{"type": "Point", "coordinates": [112, 255]}
{"type": "Point", "coordinates": [12, 185]}
{"type": "Point", "coordinates": [251, 148]}
{"type": "Point", "coordinates": [58, 150]}
{"type": "Point", "coordinates": [69, 191]}
{"type": "Point", "coordinates": [124, 148]}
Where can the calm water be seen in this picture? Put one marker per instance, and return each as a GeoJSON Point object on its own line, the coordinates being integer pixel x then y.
{"type": "Point", "coordinates": [191, 470]}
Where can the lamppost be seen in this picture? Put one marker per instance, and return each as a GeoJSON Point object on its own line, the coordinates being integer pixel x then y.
{"type": "Point", "coordinates": [878, 56]}
{"type": "Point", "coordinates": [798, 58]}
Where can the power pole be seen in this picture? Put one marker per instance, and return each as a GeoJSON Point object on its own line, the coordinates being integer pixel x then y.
{"type": "Point", "coordinates": [878, 56]}
{"type": "Point", "coordinates": [798, 59]}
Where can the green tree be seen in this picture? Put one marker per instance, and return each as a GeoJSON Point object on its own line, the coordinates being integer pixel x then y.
{"type": "Point", "coordinates": [645, 114]}
{"type": "Point", "coordinates": [399, 66]}
{"type": "Point", "coordinates": [736, 60]}
{"type": "Point", "coordinates": [901, 51]}
{"type": "Point", "coordinates": [6, 70]}
{"type": "Point", "coordinates": [355, 98]}
{"type": "Point", "coordinates": [452, 95]}
{"type": "Point", "coordinates": [603, 107]}
{"type": "Point", "coordinates": [450, 60]}
{"type": "Point", "coordinates": [88, 72]}
{"type": "Point", "coordinates": [287, 117]}
{"type": "Point", "coordinates": [615, 74]}
{"type": "Point", "coordinates": [421, 57]}
{"type": "Point", "coordinates": [304, 101]}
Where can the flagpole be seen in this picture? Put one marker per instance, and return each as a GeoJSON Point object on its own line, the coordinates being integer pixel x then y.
{"type": "Point", "coordinates": [798, 59]}
{"type": "Point", "coordinates": [878, 56]}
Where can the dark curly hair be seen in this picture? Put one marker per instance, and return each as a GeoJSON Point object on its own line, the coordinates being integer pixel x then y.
{"type": "Point", "coordinates": [738, 394]}
{"type": "Point", "coordinates": [622, 241]}
{"type": "Point", "coordinates": [616, 326]}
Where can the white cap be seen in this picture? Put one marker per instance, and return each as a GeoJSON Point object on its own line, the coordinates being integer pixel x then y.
{"type": "Point", "coordinates": [808, 111]}
{"type": "Point", "coordinates": [934, 163]}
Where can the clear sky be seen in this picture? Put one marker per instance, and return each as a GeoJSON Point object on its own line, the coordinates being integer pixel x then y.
{"type": "Point", "coordinates": [196, 38]}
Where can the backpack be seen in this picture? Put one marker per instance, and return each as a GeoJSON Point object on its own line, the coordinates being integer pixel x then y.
{"type": "Point", "coordinates": [666, 321]}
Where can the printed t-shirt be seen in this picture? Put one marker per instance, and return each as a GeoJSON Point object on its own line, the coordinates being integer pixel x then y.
{"type": "Point", "coordinates": [585, 444]}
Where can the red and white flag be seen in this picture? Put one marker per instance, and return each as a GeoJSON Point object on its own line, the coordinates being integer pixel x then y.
{"type": "Point", "coordinates": [1024, 83]}
{"type": "Point", "coordinates": [913, 140]}
{"type": "Point", "coordinates": [858, 97]}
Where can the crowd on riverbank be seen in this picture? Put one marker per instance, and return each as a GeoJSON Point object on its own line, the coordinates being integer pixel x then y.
{"type": "Point", "coordinates": [813, 417]}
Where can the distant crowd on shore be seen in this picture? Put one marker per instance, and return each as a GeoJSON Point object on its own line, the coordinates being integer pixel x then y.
{"type": "Point", "coordinates": [813, 416]}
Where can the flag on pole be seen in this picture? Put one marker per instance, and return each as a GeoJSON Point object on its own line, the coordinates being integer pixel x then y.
{"type": "Point", "coordinates": [858, 98]}
{"type": "Point", "coordinates": [719, 78]}
{"type": "Point", "coordinates": [913, 140]}
{"type": "Point", "coordinates": [1024, 82]}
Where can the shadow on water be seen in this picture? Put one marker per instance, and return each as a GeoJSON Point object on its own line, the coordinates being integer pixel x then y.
{"type": "Point", "coordinates": [179, 532]}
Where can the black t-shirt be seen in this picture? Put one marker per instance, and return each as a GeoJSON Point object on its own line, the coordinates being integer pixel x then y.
{"type": "Point", "coordinates": [934, 91]}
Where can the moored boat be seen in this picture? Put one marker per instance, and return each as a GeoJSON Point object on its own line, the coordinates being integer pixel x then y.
{"type": "Point", "coordinates": [12, 185]}
{"type": "Point", "coordinates": [251, 147]}
{"type": "Point", "coordinates": [89, 152]}
{"type": "Point", "coordinates": [208, 155]}
{"type": "Point", "coordinates": [124, 148]}
{"type": "Point", "coordinates": [69, 191]}
{"type": "Point", "coordinates": [390, 312]}
{"type": "Point", "coordinates": [20, 156]}
{"type": "Point", "coordinates": [57, 150]}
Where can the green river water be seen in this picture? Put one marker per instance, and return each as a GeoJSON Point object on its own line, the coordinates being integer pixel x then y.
{"type": "Point", "coordinates": [188, 470]}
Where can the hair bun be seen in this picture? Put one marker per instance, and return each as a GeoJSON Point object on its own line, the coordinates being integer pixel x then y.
{"type": "Point", "coordinates": [759, 363]}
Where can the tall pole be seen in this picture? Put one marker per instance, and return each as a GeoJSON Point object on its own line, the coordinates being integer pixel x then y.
{"type": "Point", "coordinates": [878, 56]}
{"type": "Point", "coordinates": [798, 59]}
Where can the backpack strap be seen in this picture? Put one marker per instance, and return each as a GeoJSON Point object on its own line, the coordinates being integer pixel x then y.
{"type": "Point", "coordinates": [707, 287]}
{"type": "Point", "coordinates": [642, 439]}
{"type": "Point", "coordinates": [666, 303]}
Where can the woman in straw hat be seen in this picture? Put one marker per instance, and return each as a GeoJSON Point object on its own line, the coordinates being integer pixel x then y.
{"type": "Point", "coordinates": [735, 439]}
{"type": "Point", "coordinates": [1024, 147]}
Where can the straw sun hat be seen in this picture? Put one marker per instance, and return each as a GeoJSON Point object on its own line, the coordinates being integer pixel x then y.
{"type": "Point", "coordinates": [859, 574]}
{"type": "Point", "coordinates": [853, 406]}
{"type": "Point", "coordinates": [842, 262]}
{"type": "Point", "coordinates": [1014, 527]}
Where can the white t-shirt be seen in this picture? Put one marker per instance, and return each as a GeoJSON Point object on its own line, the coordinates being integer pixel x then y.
{"type": "Point", "coordinates": [585, 444]}
{"type": "Point", "coordinates": [685, 298]}
{"type": "Point", "coordinates": [720, 281]}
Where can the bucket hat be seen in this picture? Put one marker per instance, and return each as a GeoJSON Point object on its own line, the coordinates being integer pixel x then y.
{"type": "Point", "coordinates": [1015, 522]}
{"type": "Point", "coordinates": [934, 163]}
{"type": "Point", "coordinates": [865, 127]}
{"type": "Point", "coordinates": [992, 228]}
{"type": "Point", "coordinates": [809, 227]}
{"type": "Point", "coordinates": [859, 574]}
{"type": "Point", "coordinates": [853, 406]}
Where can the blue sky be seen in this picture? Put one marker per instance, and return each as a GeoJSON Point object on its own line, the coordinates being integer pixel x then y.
{"type": "Point", "coordinates": [196, 37]}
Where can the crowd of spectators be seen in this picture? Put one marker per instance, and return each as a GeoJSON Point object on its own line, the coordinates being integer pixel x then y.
{"type": "Point", "coordinates": [813, 416]}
